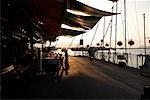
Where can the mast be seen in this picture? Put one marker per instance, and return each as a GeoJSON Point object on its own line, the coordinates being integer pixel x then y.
{"type": "Point", "coordinates": [111, 27]}
{"type": "Point", "coordinates": [103, 31]}
{"type": "Point", "coordinates": [116, 27]}
{"type": "Point", "coordinates": [144, 34]}
{"type": "Point", "coordinates": [125, 25]}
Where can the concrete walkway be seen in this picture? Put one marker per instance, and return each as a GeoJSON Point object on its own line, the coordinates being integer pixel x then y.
{"type": "Point", "coordinates": [87, 80]}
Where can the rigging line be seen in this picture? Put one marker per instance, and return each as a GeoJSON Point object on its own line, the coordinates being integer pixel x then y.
{"type": "Point", "coordinates": [122, 17]}
{"type": "Point", "coordinates": [94, 35]}
{"type": "Point", "coordinates": [71, 42]}
{"type": "Point", "coordinates": [107, 29]}
{"type": "Point", "coordinates": [111, 28]}
{"type": "Point", "coordinates": [122, 23]}
{"type": "Point", "coordinates": [82, 36]}
{"type": "Point", "coordinates": [103, 31]}
{"type": "Point", "coordinates": [137, 21]}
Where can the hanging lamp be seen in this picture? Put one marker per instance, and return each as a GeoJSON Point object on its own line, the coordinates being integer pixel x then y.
{"type": "Point", "coordinates": [119, 43]}
{"type": "Point", "coordinates": [98, 44]}
{"type": "Point", "coordinates": [107, 45]}
{"type": "Point", "coordinates": [131, 42]}
{"type": "Point", "coordinates": [87, 46]}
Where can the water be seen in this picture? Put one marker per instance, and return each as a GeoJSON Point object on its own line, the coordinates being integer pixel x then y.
{"type": "Point", "coordinates": [133, 60]}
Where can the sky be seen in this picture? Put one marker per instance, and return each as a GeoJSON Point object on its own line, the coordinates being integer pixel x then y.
{"type": "Point", "coordinates": [134, 13]}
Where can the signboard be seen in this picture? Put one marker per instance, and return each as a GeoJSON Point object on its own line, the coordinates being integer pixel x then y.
{"type": "Point", "coordinates": [81, 41]}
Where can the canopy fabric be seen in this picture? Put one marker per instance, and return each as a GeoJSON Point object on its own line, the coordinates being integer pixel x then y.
{"type": "Point", "coordinates": [113, 0]}
{"type": "Point", "coordinates": [85, 22]}
{"type": "Point", "coordinates": [78, 6]}
{"type": "Point", "coordinates": [65, 31]}
{"type": "Point", "coordinates": [51, 13]}
{"type": "Point", "coordinates": [24, 13]}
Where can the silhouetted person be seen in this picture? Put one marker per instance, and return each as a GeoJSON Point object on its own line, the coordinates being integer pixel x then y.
{"type": "Point", "coordinates": [66, 62]}
{"type": "Point", "coordinates": [91, 53]}
{"type": "Point", "coordinates": [66, 54]}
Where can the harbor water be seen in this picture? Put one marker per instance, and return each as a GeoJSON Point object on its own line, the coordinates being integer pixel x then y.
{"type": "Point", "coordinates": [135, 57]}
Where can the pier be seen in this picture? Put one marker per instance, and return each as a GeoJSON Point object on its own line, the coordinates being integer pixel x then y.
{"type": "Point", "coordinates": [85, 80]}
{"type": "Point", "coordinates": [40, 58]}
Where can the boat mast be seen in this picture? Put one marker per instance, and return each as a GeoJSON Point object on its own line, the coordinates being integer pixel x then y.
{"type": "Point", "coordinates": [144, 34]}
{"type": "Point", "coordinates": [116, 27]}
{"type": "Point", "coordinates": [111, 27]}
{"type": "Point", "coordinates": [125, 25]}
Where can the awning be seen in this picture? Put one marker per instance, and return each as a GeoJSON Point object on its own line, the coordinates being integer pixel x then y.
{"type": "Point", "coordinates": [24, 13]}
{"type": "Point", "coordinates": [78, 6]}
{"type": "Point", "coordinates": [70, 32]}
{"type": "Point", "coordinates": [113, 0]}
{"type": "Point", "coordinates": [85, 22]}
{"type": "Point", "coordinates": [50, 13]}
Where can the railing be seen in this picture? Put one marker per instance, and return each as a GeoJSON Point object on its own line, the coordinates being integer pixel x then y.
{"type": "Point", "coordinates": [131, 60]}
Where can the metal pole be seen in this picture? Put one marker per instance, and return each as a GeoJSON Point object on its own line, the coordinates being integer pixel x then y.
{"type": "Point", "coordinates": [41, 58]}
{"type": "Point", "coordinates": [144, 34]}
{"type": "Point", "coordinates": [109, 53]}
{"type": "Point", "coordinates": [137, 61]}
{"type": "Point", "coordinates": [82, 44]}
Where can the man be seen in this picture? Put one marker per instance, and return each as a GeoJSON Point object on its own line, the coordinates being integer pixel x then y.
{"type": "Point", "coordinates": [91, 53]}
{"type": "Point", "coordinates": [66, 62]}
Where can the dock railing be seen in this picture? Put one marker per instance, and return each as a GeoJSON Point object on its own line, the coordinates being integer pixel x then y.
{"type": "Point", "coordinates": [131, 60]}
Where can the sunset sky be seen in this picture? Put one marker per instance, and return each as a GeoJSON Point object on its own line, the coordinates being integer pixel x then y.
{"type": "Point", "coordinates": [134, 10]}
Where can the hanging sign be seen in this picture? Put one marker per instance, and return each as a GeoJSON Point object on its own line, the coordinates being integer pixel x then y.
{"type": "Point", "coordinates": [81, 41]}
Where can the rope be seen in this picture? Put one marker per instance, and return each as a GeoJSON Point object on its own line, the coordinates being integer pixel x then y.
{"type": "Point", "coordinates": [82, 36]}
{"type": "Point", "coordinates": [111, 26]}
{"type": "Point", "coordinates": [122, 20]}
{"type": "Point", "coordinates": [71, 42]}
{"type": "Point", "coordinates": [103, 31]}
{"type": "Point", "coordinates": [94, 35]}
{"type": "Point", "coordinates": [137, 22]}
{"type": "Point", "coordinates": [107, 29]}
